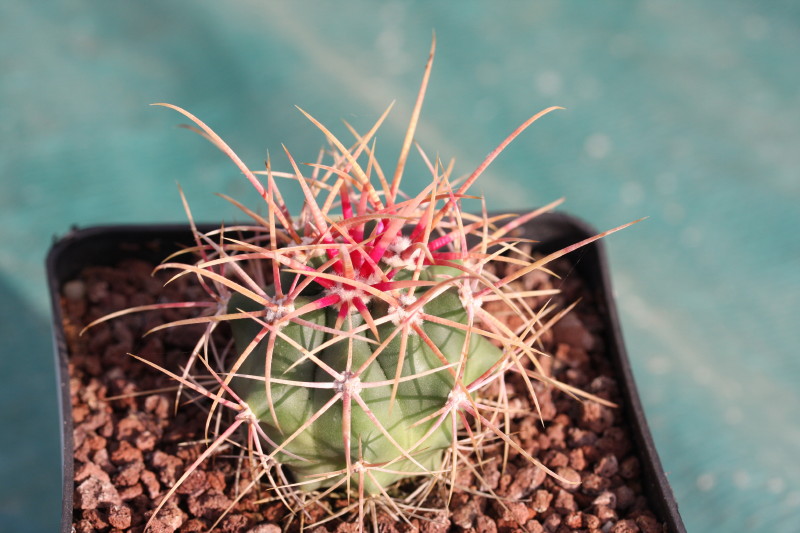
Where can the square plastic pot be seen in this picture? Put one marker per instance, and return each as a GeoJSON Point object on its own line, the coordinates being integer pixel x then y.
{"type": "Point", "coordinates": [107, 245]}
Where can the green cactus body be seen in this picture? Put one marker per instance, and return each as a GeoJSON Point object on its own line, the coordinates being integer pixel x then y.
{"type": "Point", "coordinates": [319, 449]}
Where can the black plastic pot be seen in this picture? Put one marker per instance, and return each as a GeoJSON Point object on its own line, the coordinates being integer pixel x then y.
{"type": "Point", "coordinates": [107, 245]}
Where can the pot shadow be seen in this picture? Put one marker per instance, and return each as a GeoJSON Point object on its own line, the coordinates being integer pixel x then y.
{"type": "Point", "coordinates": [30, 449]}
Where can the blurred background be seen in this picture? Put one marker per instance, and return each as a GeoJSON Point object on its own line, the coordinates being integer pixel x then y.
{"type": "Point", "coordinates": [685, 112]}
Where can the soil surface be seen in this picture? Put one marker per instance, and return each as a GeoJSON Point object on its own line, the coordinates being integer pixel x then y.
{"type": "Point", "coordinates": [131, 445]}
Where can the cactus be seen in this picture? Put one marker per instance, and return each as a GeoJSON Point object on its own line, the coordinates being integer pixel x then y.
{"type": "Point", "coordinates": [361, 352]}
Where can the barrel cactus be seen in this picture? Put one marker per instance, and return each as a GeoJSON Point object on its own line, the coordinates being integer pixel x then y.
{"type": "Point", "coordinates": [361, 351]}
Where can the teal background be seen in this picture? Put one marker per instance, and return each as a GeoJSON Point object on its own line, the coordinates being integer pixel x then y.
{"type": "Point", "coordinates": [686, 112]}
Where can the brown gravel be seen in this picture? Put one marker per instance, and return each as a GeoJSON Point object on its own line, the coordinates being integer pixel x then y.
{"type": "Point", "coordinates": [130, 446]}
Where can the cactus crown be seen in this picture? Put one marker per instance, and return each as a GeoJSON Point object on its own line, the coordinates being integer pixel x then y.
{"type": "Point", "coordinates": [362, 350]}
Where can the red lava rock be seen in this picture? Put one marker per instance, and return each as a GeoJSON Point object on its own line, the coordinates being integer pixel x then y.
{"type": "Point", "coordinates": [570, 330]}
{"type": "Point", "coordinates": [574, 520]}
{"type": "Point", "coordinates": [235, 523]}
{"type": "Point", "coordinates": [129, 427]}
{"type": "Point", "coordinates": [215, 480]}
{"type": "Point", "coordinates": [84, 526]}
{"type": "Point", "coordinates": [625, 526]}
{"type": "Point", "coordinates": [439, 524]}
{"type": "Point", "coordinates": [465, 514]}
{"type": "Point", "coordinates": [168, 520]}
{"type": "Point", "coordinates": [158, 404]}
{"type": "Point", "coordinates": [129, 474]}
{"type": "Point", "coordinates": [625, 497]}
{"type": "Point", "coordinates": [347, 527]}
{"type": "Point", "coordinates": [273, 512]}
{"type": "Point", "coordinates": [591, 521]}
{"type": "Point", "coordinates": [97, 291]}
{"type": "Point", "coordinates": [555, 459]}
{"type": "Point", "coordinates": [534, 526]}
{"type": "Point", "coordinates": [265, 528]}
{"type": "Point", "coordinates": [607, 499]}
{"type": "Point", "coordinates": [591, 453]}
{"type": "Point", "coordinates": [146, 441]}
{"type": "Point", "coordinates": [95, 492]}
{"type": "Point", "coordinates": [194, 525]}
{"type": "Point", "coordinates": [100, 458]}
{"type": "Point", "coordinates": [126, 453]}
{"type": "Point", "coordinates": [119, 516]}
{"type": "Point", "coordinates": [577, 459]}
{"type": "Point", "coordinates": [189, 454]}
{"type": "Point", "coordinates": [639, 504]}
{"type": "Point", "coordinates": [88, 469]}
{"type": "Point", "coordinates": [605, 514]}
{"type": "Point", "coordinates": [512, 513]}
{"type": "Point", "coordinates": [525, 481]}
{"type": "Point", "coordinates": [594, 484]}
{"type": "Point", "coordinates": [603, 386]}
{"type": "Point", "coordinates": [565, 502]}
{"type": "Point", "coordinates": [528, 429]}
{"type": "Point", "coordinates": [541, 500]}
{"type": "Point", "coordinates": [580, 437]}
{"type": "Point", "coordinates": [484, 524]}
{"type": "Point", "coordinates": [96, 442]}
{"type": "Point", "coordinates": [207, 504]}
{"type": "Point", "coordinates": [607, 466]}
{"type": "Point", "coordinates": [79, 414]}
{"type": "Point", "coordinates": [196, 482]}
{"type": "Point", "coordinates": [169, 467]}
{"type": "Point", "coordinates": [595, 417]}
{"type": "Point", "coordinates": [571, 478]}
{"type": "Point", "coordinates": [546, 406]}
{"type": "Point", "coordinates": [150, 482]}
{"type": "Point", "coordinates": [577, 377]}
{"type": "Point", "coordinates": [629, 469]}
{"type": "Point", "coordinates": [129, 493]}
{"type": "Point", "coordinates": [552, 522]}
{"type": "Point", "coordinates": [464, 478]}
{"type": "Point", "coordinates": [556, 435]}
{"type": "Point", "coordinates": [614, 441]}
{"type": "Point", "coordinates": [504, 483]}
{"type": "Point", "coordinates": [97, 519]}
{"type": "Point", "coordinates": [86, 443]}
{"type": "Point", "coordinates": [648, 524]}
{"type": "Point", "coordinates": [573, 357]}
